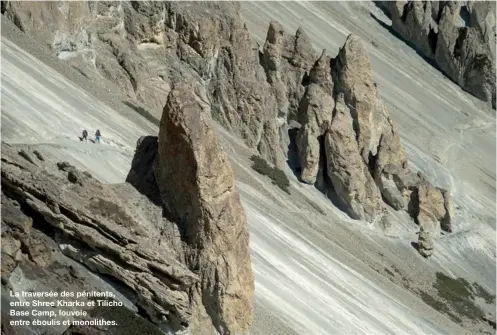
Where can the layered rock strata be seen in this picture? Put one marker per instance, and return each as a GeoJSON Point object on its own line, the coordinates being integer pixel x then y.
{"type": "Point", "coordinates": [174, 236]}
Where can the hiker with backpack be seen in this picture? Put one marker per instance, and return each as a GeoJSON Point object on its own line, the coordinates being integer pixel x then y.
{"type": "Point", "coordinates": [84, 136]}
{"type": "Point", "coordinates": [97, 136]}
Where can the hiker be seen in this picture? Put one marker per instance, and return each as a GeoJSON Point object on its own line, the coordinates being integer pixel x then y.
{"type": "Point", "coordinates": [97, 136]}
{"type": "Point", "coordinates": [84, 136]}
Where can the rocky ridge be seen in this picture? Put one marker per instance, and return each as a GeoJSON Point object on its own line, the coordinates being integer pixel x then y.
{"type": "Point", "coordinates": [346, 140]}
{"type": "Point", "coordinates": [112, 229]}
{"type": "Point", "coordinates": [184, 260]}
{"type": "Point", "coordinates": [458, 36]}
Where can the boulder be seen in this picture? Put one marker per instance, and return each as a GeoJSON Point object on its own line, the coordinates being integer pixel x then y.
{"type": "Point", "coordinates": [431, 210]}
{"type": "Point", "coordinates": [431, 206]}
{"type": "Point", "coordinates": [425, 243]}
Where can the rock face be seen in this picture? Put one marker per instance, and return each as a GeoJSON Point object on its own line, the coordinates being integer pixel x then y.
{"type": "Point", "coordinates": [286, 60]}
{"type": "Point", "coordinates": [349, 174]}
{"type": "Point", "coordinates": [145, 48]}
{"type": "Point", "coordinates": [431, 212]}
{"type": "Point", "coordinates": [315, 114]}
{"type": "Point", "coordinates": [212, 218]}
{"type": "Point", "coordinates": [378, 142]}
{"type": "Point", "coordinates": [344, 137]}
{"type": "Point", "coordinates": [111, 229]}
{"type": "Point", "coordinates": [459, 37]}
{"type": "Point", "coordinates": [191, 269]}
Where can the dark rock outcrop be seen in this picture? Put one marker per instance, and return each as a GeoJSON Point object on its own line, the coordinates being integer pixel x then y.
{"type": "Point", "coordinates": [141, 175]}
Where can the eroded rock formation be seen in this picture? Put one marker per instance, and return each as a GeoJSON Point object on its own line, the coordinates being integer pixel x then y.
{"type": "Point", "coordinates": [191, 269]}
{"type": "Point", "coordinates": [365, 160]}
{"type": "Point", "coordinates": [459, 36]}
{"type": "Point", "coordinates": [315, 114]}
{"type": "Point", "coordinates": [431, 212]}
{"type": "Point", "coordinates": [346, 168]}
{"type": "Point", "coordinates": [145, 48]}
{"type": "Point", "coordinates": [111, 229]}
{"type": "Point", "coordinates": [346, 139]}
{"type": "Point", "coordinates": [198, 189]}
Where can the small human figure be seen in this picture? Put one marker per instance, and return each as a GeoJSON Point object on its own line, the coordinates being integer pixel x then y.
{"type": "Point", "coordinates": [85, 135]}
{"type": "Point", "coordinates": [97, 136]}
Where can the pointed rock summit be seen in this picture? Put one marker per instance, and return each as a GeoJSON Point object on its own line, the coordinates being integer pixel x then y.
{"type": "Point", "coordinates": [315, 114]}
{"type": "Point", "coordinates": [197, 189]}
{"type": "Point", "coordinates": [175, 234]}
{"type": "Point", "coordinates": [343, 120]}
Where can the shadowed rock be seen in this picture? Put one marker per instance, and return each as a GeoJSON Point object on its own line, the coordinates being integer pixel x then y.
{"type": "Point", "coordinates": [141, 175]}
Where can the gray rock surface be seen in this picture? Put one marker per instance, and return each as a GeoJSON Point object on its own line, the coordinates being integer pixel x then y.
{"type": "Point", "coordinates": [430, 212]}
{"type": "Point", "coordinates": [459, 36]}
{"type": "Point", "coordinates": [148, 48]}
{"type": "Point", "coordinates": [361, 126]}
{"type": "Point", "coordinates": [365, 159]}
{"type": "Point", "coordinates": [145, 48]}
{"type": "Point", "coordinates": [346, 169]}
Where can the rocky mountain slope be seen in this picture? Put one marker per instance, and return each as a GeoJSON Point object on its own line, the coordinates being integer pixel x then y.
{"type": "Point", "coordinates": [274, 97]}
{"type": "Point", "coordinates": [458, 36]}
{"type": "Point", "coordinates": [191, 272]}
{"type": "Point", "coordinates": [256, 96]}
